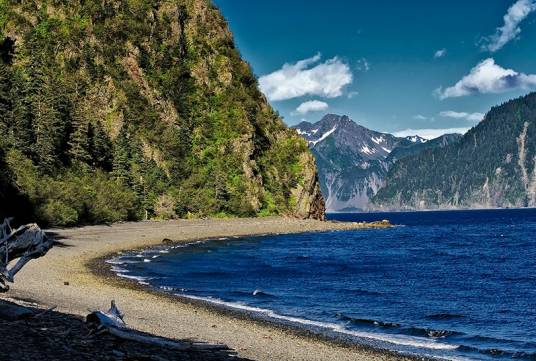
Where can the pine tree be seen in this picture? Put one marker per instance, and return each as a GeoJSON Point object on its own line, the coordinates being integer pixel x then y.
{"type": "Point", "coordinates": [6, 105]}
{"type": "Point", "coordinates": [22, 118]}
{"type": "Point", "coordinates": [79, 142]}
{"type": "Point", "coordinates": [100, 147]}
{"type": "Point", "coordinates": [121, 162]}
{"type": "Point", "coordinates": [48, 130]}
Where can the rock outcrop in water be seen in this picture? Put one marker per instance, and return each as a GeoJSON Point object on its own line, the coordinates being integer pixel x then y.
{"type": "Point", "coordinates": [493, 165]}
{"type": "Point", "coordinates": [116, 110]}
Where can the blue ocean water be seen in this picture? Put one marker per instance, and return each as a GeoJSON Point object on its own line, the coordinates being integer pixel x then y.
{"type": "Point", "coordinates": [455, 285]}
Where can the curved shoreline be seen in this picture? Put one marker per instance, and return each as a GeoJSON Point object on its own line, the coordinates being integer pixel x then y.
{"type": "Point", "coordinates": [75, 278]}
{"type": "Point", "coordinates": [102, 268]}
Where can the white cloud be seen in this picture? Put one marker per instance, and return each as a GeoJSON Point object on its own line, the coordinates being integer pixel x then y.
{"type": "Point", "coordinates": [488, 77]}
{"type": "Point", "coordinates": [311, 106]}
{"type": "Point", "coordinates": [474, 117]}
{"type": "Point", "coordinates": [510, 30]}
{"type": "Point", "coordinates": [440, 53]}
{"type": "Point", "coordinates": [430, 133]}
{"type": "Point", "coordinates": [352, 94]}
{"type": "Point", "coordinates": [363, 65]}
{"type": "Point", "coordinates": [420, 117]}
{"type": "Point", "coordinates": [325, 79]}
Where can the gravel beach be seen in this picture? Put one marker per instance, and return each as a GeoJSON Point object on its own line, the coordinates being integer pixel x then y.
{"type": "Point", "coordinates": [74, 278]}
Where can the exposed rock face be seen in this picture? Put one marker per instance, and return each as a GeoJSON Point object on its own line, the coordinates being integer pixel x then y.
{"type": "Point", "coordinates": [353, 160]}
{"type": "Point", "coordinates": [493, 165]}
{"type": "Point", "coordinates": [310, 202]}
{"type": "Point", "coordinates": [180, 108]}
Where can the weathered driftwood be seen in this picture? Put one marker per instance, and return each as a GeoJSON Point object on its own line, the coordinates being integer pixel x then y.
{"type": "Point", "coordinates": [22, 244]}
{"type": "Point", "coordinates": [113, 323]}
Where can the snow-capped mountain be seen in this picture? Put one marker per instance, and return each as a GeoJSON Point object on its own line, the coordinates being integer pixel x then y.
{"type": "Point", "coordinates": [352, 160]}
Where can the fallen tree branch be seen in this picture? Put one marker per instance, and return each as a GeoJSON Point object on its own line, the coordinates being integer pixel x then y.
{"type": "Point", "coordinates": [113, 323]}
{"type": "Point", "coordinates": [23, 244]}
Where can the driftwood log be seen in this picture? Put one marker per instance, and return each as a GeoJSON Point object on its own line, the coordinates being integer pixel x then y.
{"type": "Point", "coordinates": [22, 244]}
{"type": "Point", "coordinates": [113, 323]}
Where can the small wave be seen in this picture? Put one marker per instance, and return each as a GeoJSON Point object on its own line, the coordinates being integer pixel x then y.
{"type": "Point", "coordinates": [401, 340]}
{"type": "Point", "coordinates": [174, 289]}
{"type": "Point", "coordinates": [135, 278]}
{"type": "Point", "coordinates": [409, 330]}
{"type": "Point", "coordinates": [364, 292]}
{"type": "Point", "coordinates": [121, 261]}
{"type": "Point", "coordinates": [117, 269]}
{"type": "Point", "coordinates": [115, 261]}
{"type": "Point", "coordinates": [365, 321]}
{"type": "Point", "coordinates": [443, 316]}
{"type": "Point", "coordinates": [260, 293]}
{"type": "Point", "coordinates": [499, 352]}
{"type": "Point", "coordinates": [256, 293]}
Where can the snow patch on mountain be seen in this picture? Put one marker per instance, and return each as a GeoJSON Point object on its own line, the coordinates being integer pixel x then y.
{"type": "Point", "coordinates": [365, 149]}
{"type": "Point", "coordinates": [324, 136]}
{"type": "Point", "coordinates": [377, 140]}
{"type": "Point", "coordinates": [416, 139]}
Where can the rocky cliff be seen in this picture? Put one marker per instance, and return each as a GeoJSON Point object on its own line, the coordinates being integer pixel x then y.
{"type": "Point", "coordinates": [493, 165]}
{"type": "Point", "coordinates": [131, 109]}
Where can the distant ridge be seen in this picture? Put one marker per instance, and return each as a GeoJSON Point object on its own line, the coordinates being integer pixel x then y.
{"type": "Point", "coordinates": [492, 166]}
{"type": "Point", "coordinates": [353, 161]}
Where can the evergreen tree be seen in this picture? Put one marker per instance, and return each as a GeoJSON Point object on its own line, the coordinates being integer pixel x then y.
{"type": "Point", "coordinates": [22, 117]}
{"type": "Point", "coordinates": [48, 130]}
{"type": "Point", "coordinates": [121, 159]}
{"type": "Point", "coordinates": [100, 147]}
{"type": "Point", "coordinates": [6, 105]}
{"type": "Point", "coordinates": [79, 142]}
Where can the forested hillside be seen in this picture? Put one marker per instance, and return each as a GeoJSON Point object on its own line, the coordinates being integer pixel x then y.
{"type": "Point", "coordinates": [116, 109]}
{"type": "Point", "coordinates": [493, 165]}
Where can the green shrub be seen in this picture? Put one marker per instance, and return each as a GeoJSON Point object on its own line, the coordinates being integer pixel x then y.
{"type": "Point", "coordinates": [57, 213]}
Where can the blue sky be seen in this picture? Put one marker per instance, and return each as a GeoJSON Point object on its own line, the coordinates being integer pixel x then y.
{"type": "Point", "coordinates": [390, 65]}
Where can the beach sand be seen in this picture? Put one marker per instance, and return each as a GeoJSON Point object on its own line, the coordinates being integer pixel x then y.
{"type": "Point", "coordinates": [74, 278]}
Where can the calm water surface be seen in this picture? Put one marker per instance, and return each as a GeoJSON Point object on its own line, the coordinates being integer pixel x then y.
{"type": "Point", "coordinates": [457, 285]}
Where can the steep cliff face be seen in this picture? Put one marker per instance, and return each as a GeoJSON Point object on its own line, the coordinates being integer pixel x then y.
{"type": "Point", "coordinates": [493, 165]}
{"type": "Point", "coordinates": [353, 161]}
{"type": "Point", "coordinates": [153, 99]}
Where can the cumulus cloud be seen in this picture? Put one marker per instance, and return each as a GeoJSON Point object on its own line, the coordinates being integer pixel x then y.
{"type": "Point", "coordinates": [430, 133]}
{"type": "Point", "coordinates": [420, 117]}
{"type": "Point", "coordinates": [440, 53]}
{"type": "Point", "coordinates": [474, 117]}
{"type": "Point", "coordinates": [488, 77]}
{"type": "Point", "coordinates": [510, 30]}
{"type": "Point", "coordinates": [307, 77]}
{"type": "Point", "coordinates": [311, 106]}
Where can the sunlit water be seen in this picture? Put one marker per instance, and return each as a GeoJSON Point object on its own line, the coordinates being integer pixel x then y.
{"type": "Point", "coordinates": [457, 285]}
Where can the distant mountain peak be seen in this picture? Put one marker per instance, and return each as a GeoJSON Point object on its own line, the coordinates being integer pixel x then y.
{"type": "Point", "coordinates": [416, 139]}
{"type": "Point", "coordinates": [353, 160]}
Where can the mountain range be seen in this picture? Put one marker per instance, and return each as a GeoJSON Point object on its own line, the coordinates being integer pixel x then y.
{"type": "Point", "coordinates": [354, 161]}
{"type": "Point", "coordinates": [492, 166]}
